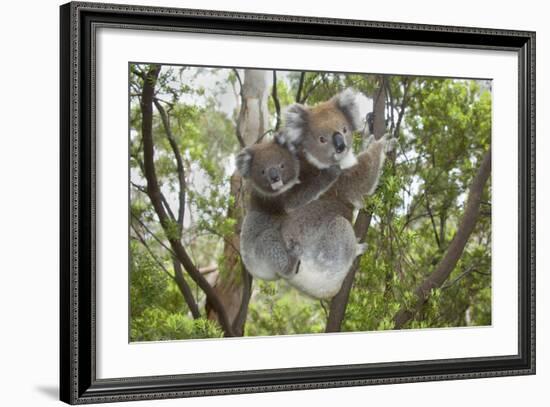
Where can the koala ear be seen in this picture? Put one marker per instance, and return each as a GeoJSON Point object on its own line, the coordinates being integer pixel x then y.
{"type": "Point", "coordinates": [296, 119]}
{"type": "Point", "coordinates": [280, 139]}
{"type": "Point", "coordinates": [244, 162]}
{"type": "Point", "coordinates": [355, 106]}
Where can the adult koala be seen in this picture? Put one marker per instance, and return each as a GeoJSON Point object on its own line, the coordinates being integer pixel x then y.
{"type": "Point", "coordinates": [323, 227]}
{"type": "Point", "coordinates": [277, 186]}
{"type": "Point", "coordinates": [322, 137]}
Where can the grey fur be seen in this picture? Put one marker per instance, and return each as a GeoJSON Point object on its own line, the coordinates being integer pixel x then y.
{"type": "Point", "coordinates": [311, 223]}
{"type": "Point", "coordinates": [353, 104]}
{"type": "Point", "coordinates": [323, 228]}
{"type": "Point", "coordinates": [312, 129]}
{"type": "Point", "coordinates": [295, 118]}
{"type": "Point", "coordinates": [264, 252]}
{"type": "Point", "coordinates": [244, 162]}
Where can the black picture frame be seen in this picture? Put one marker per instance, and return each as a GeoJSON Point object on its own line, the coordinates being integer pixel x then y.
{"type": "Point", "coordinates": [78, 382]}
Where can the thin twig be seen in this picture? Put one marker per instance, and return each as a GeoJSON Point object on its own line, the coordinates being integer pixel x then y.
{"type": "Point", "coordinates": [300, 86]}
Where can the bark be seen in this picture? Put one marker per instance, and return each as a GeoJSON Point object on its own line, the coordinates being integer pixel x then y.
{"type": "Point", "coordinates": [233, 284]}
{"type": "Point", "coordinates": [185, 290]}
{"type": "Point", "coordinates": [300, 87]}
{"type": "Point", "coordinates": [276, 101]}
{"type": "Point", "coordinates": [178, 272]}
{"type": "Point", "coordinates": [154, 193]}
{"type": "Point", "coordinates": [456, 247]}
{"type": "Point", "coordinates": [339, 302]}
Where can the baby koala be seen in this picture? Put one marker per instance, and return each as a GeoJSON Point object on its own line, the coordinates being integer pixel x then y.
{"type": "Point", "coordinates": [277, 187]}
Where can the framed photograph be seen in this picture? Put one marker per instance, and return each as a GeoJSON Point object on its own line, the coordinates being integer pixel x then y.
{"type": "Point", "coordinates": [255, 203]}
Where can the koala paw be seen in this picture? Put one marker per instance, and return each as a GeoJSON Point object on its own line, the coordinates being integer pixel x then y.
{"type": "Point", "coordinates": [368, 141]}
{"type": "Point", "coordinates": [360, 249]}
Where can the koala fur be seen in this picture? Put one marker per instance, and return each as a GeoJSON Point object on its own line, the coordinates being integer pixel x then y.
{"type": "Point", "coordinates": [324, 132]}
{"type": "Point", "coordinates": [323, 228]}
{"type": "Point", "coordinates": [322, 137]}
{"type": "Point", "coordinates": [273, 173]}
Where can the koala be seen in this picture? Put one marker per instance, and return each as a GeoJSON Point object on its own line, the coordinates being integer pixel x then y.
{"type": "Point", "coordinates": [273, 173]}
{"type": "Point", "coordinates": [323, 227]}
{"type": "Point", "coordinates": [362, 179]}
{"type": "Point", "coordinates": [323, 134]}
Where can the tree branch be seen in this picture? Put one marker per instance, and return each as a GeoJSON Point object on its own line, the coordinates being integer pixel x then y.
{"type": "Point", "coordinates": [300, 87]}
{"type": "Point", "coordinates": [406, 87]}
{"type": "Point", "coordinates": [143, 189]}
{"type": "Point", "coordinates": [237, 129]}
{"type": "Point", "coordinates": [240, 319]}
{"type": "Point", "coordinates": [179, 161]}
{"type": "Point", "coordinates": [185, 289]}
{"type": "Point", "coordinates": [153, 191]}
{"type": "Point", "coordinates": [456, 247]}
{"type": "Point", "coordinates": [141, 239]}
{"type": "Point", "coordinates": [312, 88]}
{"type": "Point", "coordinates": [177, 278]}
{"type": "Point", "coordinates": [276, 100]}
{"type": "Point", "coordinates": [239, 80]}
{"type": "Point", "coordinates": [434, 227]}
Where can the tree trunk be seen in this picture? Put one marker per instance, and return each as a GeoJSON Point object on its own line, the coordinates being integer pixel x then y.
{"type": "Point", "coordinates": [233, 283]}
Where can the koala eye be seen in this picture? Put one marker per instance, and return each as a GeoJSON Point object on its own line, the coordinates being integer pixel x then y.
{"type": "Point", "coordinates": [345, 130]}
{"type": "Point", "coordinates": [322, 139]}
{"type": "Point", "coordinates": [263, 172]}
{"type": "Point", "coordinates": [282, 166]}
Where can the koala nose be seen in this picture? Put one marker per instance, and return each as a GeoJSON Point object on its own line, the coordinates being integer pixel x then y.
{"type": "Point", "coordinates": [339, 142]}
{"type": "Point", "coordinates": [274, 175]}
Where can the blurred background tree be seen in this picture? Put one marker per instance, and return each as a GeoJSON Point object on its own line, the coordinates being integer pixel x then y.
{"type": "Point", "coordinates": [428, 226]}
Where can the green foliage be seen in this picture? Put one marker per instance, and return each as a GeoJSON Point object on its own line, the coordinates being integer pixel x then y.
{"type": "Point", "coordinates": [444, 131]}
{"type": "Point", "coordinates": [416, 212]}
{"type": "Point", "coordinates": [283, 311]}
{"type": "Point", "coordinates": [158, 324]}
{"type": "Point", "coordinates": [147, 282]}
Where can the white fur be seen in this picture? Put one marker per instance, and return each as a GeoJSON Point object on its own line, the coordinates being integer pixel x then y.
{"type": "Point", "coordinates": [348, 161]}
{"type": "Point", "coordinates": [294, 123]}
{"type": "Point", "coordinates": [357, 104]}
{"type": "Point", "coordinates": [315, 162]}
{"type": "Point", "coordinates": [277, 185]}
{"type": "Point", "coordinates": [279, 191]}
{"type": "Point", "coordinates": [257, 269]}
{"type": "Point", "coordinates": [360, 249]}
{"type": "Point", "coordinates": [357, 204]}
{"type": "Point", "coordinates": [243, 160]}
{"type": "Point", "coordinates": [318, 279]}
{"type": "Point", "coordinates": [293, 134]}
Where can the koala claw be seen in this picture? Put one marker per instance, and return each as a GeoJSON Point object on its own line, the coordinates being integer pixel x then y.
{"type": "Point", "coordinates": [297, 266]}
